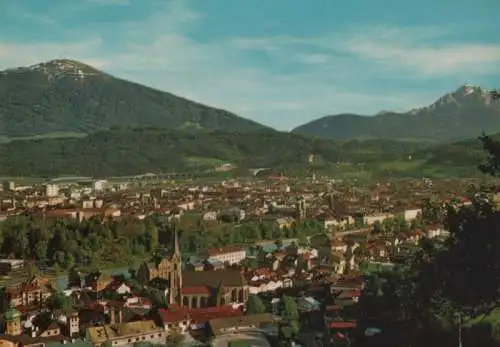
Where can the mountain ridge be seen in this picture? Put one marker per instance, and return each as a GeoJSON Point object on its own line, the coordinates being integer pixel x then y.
{"type": "Point", "coordinates": [65, 95]}
{"type": "Point", "coordinates": [134, 151]}
{"type": "Point", "coordinates": [447, 119]}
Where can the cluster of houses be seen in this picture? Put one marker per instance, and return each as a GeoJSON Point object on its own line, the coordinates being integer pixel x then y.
{"type": "Point", "coordinates": [203, 300]}
{"type": "Point", "coordinates": [278, 200]}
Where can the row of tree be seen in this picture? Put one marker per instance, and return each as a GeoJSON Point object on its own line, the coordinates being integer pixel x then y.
{"type": "Point", "coordinates": [66, 243]}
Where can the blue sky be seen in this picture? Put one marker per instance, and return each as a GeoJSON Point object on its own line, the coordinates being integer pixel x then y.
{"type": "Point", "coordinates": [280, 62]}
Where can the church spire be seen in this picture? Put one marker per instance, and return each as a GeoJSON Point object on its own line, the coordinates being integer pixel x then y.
{"type": "Point", "coordinates": [177, 249]}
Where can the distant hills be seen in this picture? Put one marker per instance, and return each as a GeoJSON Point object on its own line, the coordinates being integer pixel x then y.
{"type": "Point", "coordinates": [465, 113]}
{"type": "Point", "coordinates": [66, 96]}
{"type": "Point", "coordinates": [126, 151]}
{"type": "Point", "coordinates": [64, 117]}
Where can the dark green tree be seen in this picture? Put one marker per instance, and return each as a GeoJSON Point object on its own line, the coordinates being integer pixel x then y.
{"type": "Point", "coordinates": [74, 279]}
{"type": "Point", "coordinates": [290, 310]}
{"type": "Point", "coordinates": [142, 275]}
{"type": "Point", "coordinates": [255, 305]}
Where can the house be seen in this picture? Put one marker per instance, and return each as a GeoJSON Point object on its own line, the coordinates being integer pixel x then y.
{"type": "Point", "coordinates": [285, 222]}
{"type": "Point", "coordinates": [126, 333]}
{"type": "Point", "coordinates": [221, 326]}
{"type": "Point", "coordinates": [344, 222]}
{"type": "Point", "coordinates": [117, 287]}
{"type": "Point", "coordinates": [38, 330]}
{"type": "Point", "coordinates": [175, 318]}
{"type": "Point", "coordinates": [30, 293]}
{"type": "Point", "coordinates": [210, 216]}
{"type": "Point", "coordinates": [229, 254]}
{"type": "Point", "coordinates": [412, 214]}
{"type": "Point", "coordinates": [372, 219]}
{"type": "Point", "coordinates": [436, 231]}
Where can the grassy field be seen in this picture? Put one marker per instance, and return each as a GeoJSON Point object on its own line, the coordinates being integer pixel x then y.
{"type": "Point", "coordinates": [203, 162]}
{"type": "Point", "coordinates": [54, 135]}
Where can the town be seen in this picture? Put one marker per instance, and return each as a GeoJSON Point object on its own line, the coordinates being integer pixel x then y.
{"type": "Point", "coordinates": [251, 262]}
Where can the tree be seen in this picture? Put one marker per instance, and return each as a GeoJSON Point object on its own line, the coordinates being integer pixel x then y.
{"type": "Point", "coordinates": [142, 274]}
{"type": "Point", "coordinates": [174, 338]}
{"type": "Point", "coordinates": [74, 279]}
{"type": "Point", "coordinates": [443, 286]}
{"type": "Point", "coordinates": [278, 243]}
{"type": "Point", "coordinates": [159, 299]}
{"type": "Point", "coordinates": [59, 301]}
{"type": "Point", "coordinates": [320, 240]}
{"type": "Point", "coordinates": [56, 268]}
{"type": "Point", "coordinates": [31, 270]}
{"type": "Point", "coordinates": [254, 305]}
{"type": "Point", "coordinates": [289, 308]}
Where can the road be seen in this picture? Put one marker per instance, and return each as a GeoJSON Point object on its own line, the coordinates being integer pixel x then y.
{"type": "Point", "coordinates": [255, 339]}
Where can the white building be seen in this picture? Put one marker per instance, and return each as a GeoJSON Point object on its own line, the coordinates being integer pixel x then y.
{"type": "Point", "coordinates": [51, 190]}
{"type": "Point", "coordinates": [99, 185]}
{"type": "Point", "coordinates": [230, 254]}
{"type": "Point", "coordinates": [412, 214]}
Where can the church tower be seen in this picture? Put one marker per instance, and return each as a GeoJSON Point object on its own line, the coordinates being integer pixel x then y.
{"type": "Point", "coordinates": [13, 322]}
{"type": "Point", "coordinates": [175, 276]}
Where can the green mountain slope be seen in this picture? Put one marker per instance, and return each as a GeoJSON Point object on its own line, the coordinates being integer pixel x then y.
{"type": "Point", "coordinates": [128, 151]}
{"type": "Point", "coordinates": [465, 113]}
{"type": "Point", "coordinates": [120, 152]}
{"type": "Point", "coordinates": [68, 96]}
{"type": "Point", "coordinates": [455, 159]}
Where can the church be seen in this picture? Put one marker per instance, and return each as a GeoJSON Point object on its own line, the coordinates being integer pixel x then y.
{"type": "Point", "coordinates": [197, 289]}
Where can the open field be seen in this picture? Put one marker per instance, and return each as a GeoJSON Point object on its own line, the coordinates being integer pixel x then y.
{"type": "Point", "coordinates": [54, 135]}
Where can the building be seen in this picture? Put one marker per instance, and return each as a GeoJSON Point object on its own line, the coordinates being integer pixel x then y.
{"type": "Point", "coordinates": [38, 334]}
{"type": "Point", "coordinates": [196, 289]}
{"type": "Point", "coordinates": [301, 208]}
{"type": "Point", "coordinates": [99, 185]}
{"type": "Point", "coordinates": [228, 254]}
{"type": "Point", "coordinates": [219, 326]}
{"type": "Point", "coordinates": [8, 186]}
{"type": "Point", "coordinates": [9, 265]}
{"type": "Point", "coordinates": [126, 334]}
{"type": "Point", "coordinates": [29, 293]}
{"type": "Point", "coordinates": [170, 269]}
{"type": "Point", "coordinates": [51, 190]}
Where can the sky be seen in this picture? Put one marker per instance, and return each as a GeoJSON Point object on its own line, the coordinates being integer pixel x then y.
{"type": "Point", "coordinates": [279, 62]}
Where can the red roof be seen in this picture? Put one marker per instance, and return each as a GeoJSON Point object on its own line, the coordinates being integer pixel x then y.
{"type": "Point", "coordinates": [224, 250]}
{"type": "Point", "coordinates": [354, 293]}
{"type": "Point", "coordinates": [195, 290]}
{"type": "Point", "coordinates": [342, 325]}
{"type": "Point", "coordinates": [203, 315]}
{"type": "Point", "coordinates": [173, 314]}
{"type": "Point", "coordinates": [177, 313]}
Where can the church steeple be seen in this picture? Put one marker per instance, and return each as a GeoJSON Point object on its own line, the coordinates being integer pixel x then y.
{"type": "Point", "coordinates": [175, 275]}
{"type": "Point", "coordinates": [177, 249]}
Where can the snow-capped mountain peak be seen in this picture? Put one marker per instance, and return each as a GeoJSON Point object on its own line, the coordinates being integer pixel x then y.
{"type": "Point", "coordinates": [463, 95]}
{"type": "Point", "coordinates": [60, 68]}
{"type": "Point", "coordinates": [65, 67]}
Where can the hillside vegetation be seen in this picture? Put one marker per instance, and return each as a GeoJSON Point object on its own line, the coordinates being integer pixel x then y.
{"type": "Point", "coordinates": [129, 151]}
{"type": "Point", "coordinates": [67, 96]}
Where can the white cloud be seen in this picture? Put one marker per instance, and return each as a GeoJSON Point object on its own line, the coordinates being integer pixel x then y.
{"type": "Point", "coordinates": [335, 75]}
{"type": "Point", "coordinates": [414, 50]}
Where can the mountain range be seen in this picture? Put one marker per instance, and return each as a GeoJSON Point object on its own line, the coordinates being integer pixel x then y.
{"type": "Point", "coordinates": [52, 110]}
{"type": "Point", "coordinates": [466, 113]}
{"type": "Point", "coordinates": [68, 96]}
